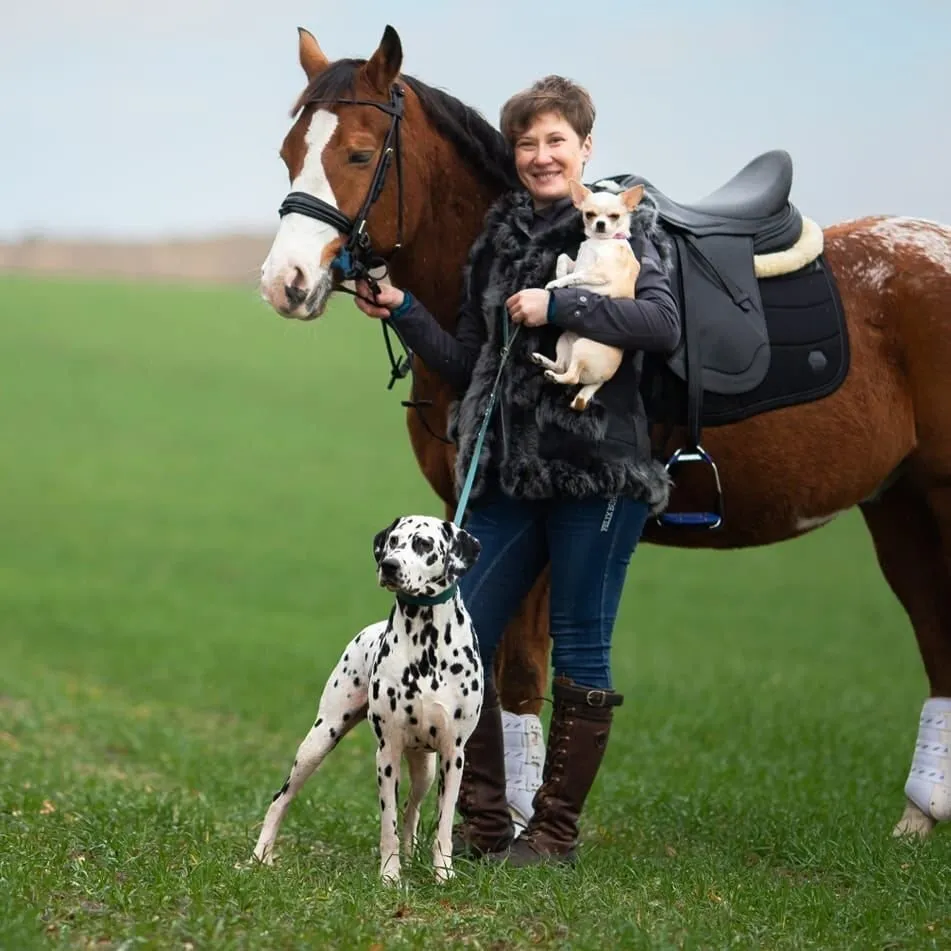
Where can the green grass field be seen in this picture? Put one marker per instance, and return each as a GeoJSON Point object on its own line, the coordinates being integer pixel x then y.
{"type": "Point", "coordinates": [189, 487]}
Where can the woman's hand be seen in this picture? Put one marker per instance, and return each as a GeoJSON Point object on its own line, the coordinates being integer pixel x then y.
{"type": "Point", "coordinates": [388, 299]}
{"type": "Point", "coordinates": [529, 307]}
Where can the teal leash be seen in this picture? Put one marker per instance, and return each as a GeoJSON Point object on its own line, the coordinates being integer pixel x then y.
{"type": "Point", "coordinates": [487, 415]}
{"type": "Point", "coordinates": [429, 601]}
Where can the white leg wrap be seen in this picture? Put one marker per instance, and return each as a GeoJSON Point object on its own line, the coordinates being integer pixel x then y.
{"type": "Point", "coordinates": [524, 762]}
{"type": "Point", "coordinates": [929, 781]}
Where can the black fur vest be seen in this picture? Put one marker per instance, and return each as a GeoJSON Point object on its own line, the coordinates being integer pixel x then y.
{"type": "Point", "coordinates": [537, 446]}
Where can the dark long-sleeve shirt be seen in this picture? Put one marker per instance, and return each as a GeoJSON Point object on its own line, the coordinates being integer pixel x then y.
{"type": "Point", "coordinates": [650, 321]}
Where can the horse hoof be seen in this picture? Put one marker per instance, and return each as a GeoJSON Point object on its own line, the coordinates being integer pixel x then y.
{"type": "Point", "coordinates": [913, 824]}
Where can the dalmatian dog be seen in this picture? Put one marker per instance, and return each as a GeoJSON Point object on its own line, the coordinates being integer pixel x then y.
{"type": "Point", "coordinates": [416, 677]}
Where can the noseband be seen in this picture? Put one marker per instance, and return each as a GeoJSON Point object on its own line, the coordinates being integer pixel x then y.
{"type": "Point", "coordinates": [356, 259]}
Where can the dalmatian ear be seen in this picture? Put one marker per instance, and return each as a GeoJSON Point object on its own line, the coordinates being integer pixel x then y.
{"type": "Point", "coordinates": [379, 540]}
{"type": "Point", "coordinates": [464, 551]}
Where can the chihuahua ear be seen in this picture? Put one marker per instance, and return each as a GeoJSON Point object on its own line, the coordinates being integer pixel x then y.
{"type": "Point", "coordinates": [578, 192]}
{"type": "Point", "coordinates": [632, 197]}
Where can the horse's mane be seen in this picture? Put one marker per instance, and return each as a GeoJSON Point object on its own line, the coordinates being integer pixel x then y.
{"type": "Point", "coordinates": [481, 145]}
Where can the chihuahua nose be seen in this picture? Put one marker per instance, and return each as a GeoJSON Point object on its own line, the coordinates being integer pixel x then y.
{"type": "Point", "coordinates": [389, 567]}
{"type": "Point", "coordinates": [600, 226]}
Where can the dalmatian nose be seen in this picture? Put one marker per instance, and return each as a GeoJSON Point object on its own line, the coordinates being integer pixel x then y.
{"type": "Point", "coordinates": [389, 568]}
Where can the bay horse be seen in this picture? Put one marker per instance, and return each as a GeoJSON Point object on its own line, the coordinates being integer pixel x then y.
{"type": "Point", "coordinates": [378, 159]}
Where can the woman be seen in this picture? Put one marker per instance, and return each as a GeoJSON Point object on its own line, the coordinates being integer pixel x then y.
{"type": "Point", "coordinates": [552, 484]}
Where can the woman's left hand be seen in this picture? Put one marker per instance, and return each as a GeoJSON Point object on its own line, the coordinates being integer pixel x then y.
{"type": "Point", "coordinates": [529, 307]}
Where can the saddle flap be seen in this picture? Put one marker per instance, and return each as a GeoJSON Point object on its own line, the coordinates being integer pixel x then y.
{"type": "Point", "coordinates": [720, 297]}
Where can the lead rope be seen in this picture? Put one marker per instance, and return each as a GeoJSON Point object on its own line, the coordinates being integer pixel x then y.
{"type": "Point", "coordinates": [486, 416]}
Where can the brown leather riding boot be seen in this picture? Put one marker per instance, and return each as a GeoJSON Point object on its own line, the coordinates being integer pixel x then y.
{"type": "Point", "coordinates": [577, 739]}
{"type": "Point", "coordinates": [487, 825]}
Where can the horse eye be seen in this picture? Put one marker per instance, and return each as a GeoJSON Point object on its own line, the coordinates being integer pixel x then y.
{"type": "Point", "coordinates": [360, 158]}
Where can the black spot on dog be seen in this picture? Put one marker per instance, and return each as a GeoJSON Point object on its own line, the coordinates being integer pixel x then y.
{"type": "Point", "coordinates": [456, 669]}
{"type": "Point", "coordinates": [318, 721]}
{"type": "Point", "coordinates": [421, 545]}
{"type": "Point", "coordinates": [458, 762]}
{"type": "Point", "coordinates": [356, 681]}
{"type": "Point", "coordinates": [392, 704]}
{"type": "Point", "coordinates": [388, 771]}
{"type": "Point", "coordinates": [283, 789]}
{"type": "Point", "coordinates": [346, 717]}
{"type": "Point", "coordinates": [376, 689]}
{"type": "Point", "coordinates": [432, 731]}
{"type": "Point", "coordinates": [414, 721]}
{"type": "Point", "coordinates": [458, 714]}
{"type": "Point", "coordinates": [333, 733]}
{"type": "Point", "coordinates": [409, 708]}
{"type": "Point", "coordinates": [475, 684]}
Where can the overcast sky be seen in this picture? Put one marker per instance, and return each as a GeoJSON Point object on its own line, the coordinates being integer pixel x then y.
{"type": "Point", "coordinates": [123, 118]}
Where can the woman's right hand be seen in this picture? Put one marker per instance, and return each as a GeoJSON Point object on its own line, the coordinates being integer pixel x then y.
{"type": "Point", "coordinates": [388, 299]}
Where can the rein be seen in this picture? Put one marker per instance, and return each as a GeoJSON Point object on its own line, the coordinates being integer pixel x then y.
{"type": "Point", "coordinates": [357, 259]}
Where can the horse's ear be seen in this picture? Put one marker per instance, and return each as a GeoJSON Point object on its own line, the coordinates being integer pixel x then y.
{"type": "Point", "coordinates": [312, 59]}
{"type": "Point", "coordinates": [384, 65]}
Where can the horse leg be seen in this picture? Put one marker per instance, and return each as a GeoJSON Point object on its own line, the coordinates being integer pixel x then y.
{"type": "Point", "coordinates": [521, 671]}
{"type": "Point", "coordinates": [912, 535]}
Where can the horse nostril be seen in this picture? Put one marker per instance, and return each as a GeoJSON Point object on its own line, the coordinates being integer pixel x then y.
{"type": "Point", "coordinates": [296, 288]}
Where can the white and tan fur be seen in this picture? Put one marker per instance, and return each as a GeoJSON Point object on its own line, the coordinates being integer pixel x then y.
{"type": "Point", "coordinates": [605, 265]}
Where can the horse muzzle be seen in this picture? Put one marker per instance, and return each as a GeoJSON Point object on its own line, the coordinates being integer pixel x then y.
{"type": "Point", "coordinates": [295, 295]}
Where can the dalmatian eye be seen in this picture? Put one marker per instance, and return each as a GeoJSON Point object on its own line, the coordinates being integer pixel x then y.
{"type": "Point", "coordinates": [422, 546]}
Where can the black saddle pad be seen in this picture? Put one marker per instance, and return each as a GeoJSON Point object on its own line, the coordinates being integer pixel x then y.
{"type": "Point", "coordinates": [809, 354]}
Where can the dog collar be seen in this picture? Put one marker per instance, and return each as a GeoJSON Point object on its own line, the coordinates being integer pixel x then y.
{"type": "Point", "coordinates": [425, 601]}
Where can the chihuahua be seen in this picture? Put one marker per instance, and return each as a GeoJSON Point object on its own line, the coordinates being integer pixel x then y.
{"type": "Point", "coordinates": [605, 265]}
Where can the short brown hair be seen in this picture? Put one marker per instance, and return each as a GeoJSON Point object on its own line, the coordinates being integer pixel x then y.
{"type": "Point", "coordinates": [551, 94]}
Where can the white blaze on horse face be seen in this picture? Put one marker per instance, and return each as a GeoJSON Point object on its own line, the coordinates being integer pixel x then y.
{"type": "Point", "coordinates": [293, 279]}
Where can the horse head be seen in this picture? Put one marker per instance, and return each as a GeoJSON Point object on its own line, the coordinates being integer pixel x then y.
{"type": "Point", "coordinates": [346, 207]}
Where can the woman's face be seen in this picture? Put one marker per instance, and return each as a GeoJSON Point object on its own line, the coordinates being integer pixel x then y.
{"type": "Point", "coordinates": [547, 154]}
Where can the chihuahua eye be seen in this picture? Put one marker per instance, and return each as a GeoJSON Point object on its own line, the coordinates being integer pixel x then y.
{"type": "Point", "coordinates": [614, 217]}
{"type": "Point", "coordinates": [590, 214]}
{"type": "Point", "coordinates": [361, 157]}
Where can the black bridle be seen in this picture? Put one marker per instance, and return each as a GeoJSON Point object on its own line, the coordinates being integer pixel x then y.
{"type": "Point", "coordinates": [357, 258]}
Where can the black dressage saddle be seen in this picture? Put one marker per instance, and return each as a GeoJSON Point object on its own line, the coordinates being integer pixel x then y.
{"type": "Point", "coordinates": [726, 351]}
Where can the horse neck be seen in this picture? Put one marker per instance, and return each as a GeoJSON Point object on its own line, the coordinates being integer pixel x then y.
{"type": "Point", "coordinates": [452, 203]}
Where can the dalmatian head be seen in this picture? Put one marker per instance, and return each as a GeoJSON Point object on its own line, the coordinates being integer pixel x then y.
{"type": "Point", "coordinates": [422, 556]}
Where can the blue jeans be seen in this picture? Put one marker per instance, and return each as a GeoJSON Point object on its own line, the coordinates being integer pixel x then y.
{"type": "Point", "coordinates": [589, 543]}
